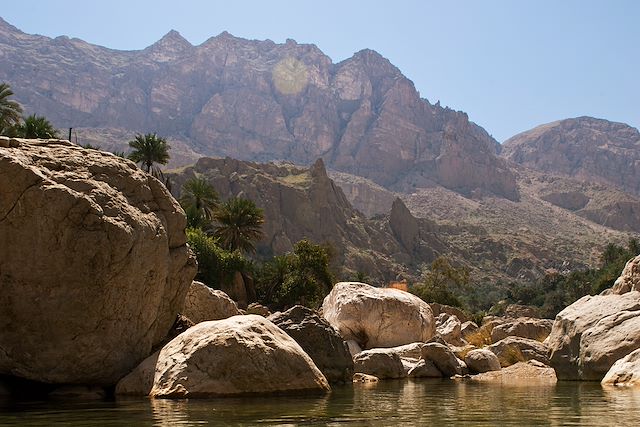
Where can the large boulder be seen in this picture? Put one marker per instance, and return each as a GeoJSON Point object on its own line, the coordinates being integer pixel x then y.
{"type": "Point", "coordinates": [379, 362]}
{"type": "Point", "coordinates": [319, 340]}
{"type": "Point", "coordinates": [592, 333]}
{"type": "Point", "coordinates": [624, 372]}
{"type": "Point", "coordinates": [94, 264]}
{"type": "Point", "coordinates": [378, 317]}
{"type": "Point", "coordinates": [238, 355]}
{"type": "Point", "coordinates": [203, 303]}
{"type": "Point", "coordinates": [482, 360]}
{"type": "Point", "coordinates": [525, 327]}
{"type": "Point", "coordinates": [443, 359]}
{"type": "Point", "coordinates": [511, 350]}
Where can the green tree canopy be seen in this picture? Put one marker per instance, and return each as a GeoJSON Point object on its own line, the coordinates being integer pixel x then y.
{"type": "Point", "coordinates": [442, 283]}
{"type": "Point", "coordinates": [149, 150]}
{"type": "Point", "coordinates": [199, 200]}
{"type": "Point", "coordinates": [36, 127]}
{"type": "Point", "coordinates": [10, 111]}
{"type": "Point", "coordinates": [239, 224]}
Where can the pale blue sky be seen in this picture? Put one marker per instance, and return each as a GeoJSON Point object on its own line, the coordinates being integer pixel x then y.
{"type": "Point", "coordinates": [511, 65]}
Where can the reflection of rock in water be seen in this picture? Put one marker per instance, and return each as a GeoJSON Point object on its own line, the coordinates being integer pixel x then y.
{"type": "Point", "coordinates": [169, 413]}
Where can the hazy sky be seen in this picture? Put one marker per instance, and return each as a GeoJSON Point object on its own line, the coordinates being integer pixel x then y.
{"type": "Point", "coordinates": [511, 65]}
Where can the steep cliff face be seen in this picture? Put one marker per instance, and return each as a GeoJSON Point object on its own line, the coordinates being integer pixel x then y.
{"type": "Point", "coordinates": [585, 148]}
{"type": "Point", "coordinates": [258, 100]}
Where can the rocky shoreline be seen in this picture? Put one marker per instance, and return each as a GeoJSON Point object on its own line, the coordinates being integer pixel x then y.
{"type": "Point", "coordinates": [94, 270]}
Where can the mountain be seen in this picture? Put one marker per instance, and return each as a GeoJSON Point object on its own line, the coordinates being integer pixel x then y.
{"type": "Point", "coordinates": [256, 100]}
{"type": "Point", "coordinates": [585, 148]}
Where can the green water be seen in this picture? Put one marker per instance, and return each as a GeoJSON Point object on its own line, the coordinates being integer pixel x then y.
{"type": "Point", "coordinates": [425, 402]}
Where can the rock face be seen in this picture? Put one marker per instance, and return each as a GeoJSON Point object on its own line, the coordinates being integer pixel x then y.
{"type": "Point", "coordinates": [443, 359]}
{"type": "Point", "coordinates": [482, 360]}
{"type": "Point", "coordinates": [258, 100]}
{"type": "Point", "coordinates": [591, 149]}
{"type": "Point", "coordinates": [592, 333]}
{"type": "Point", "coordinates": [241, 354]}
{"type": "Point", "coordinates": [511, 350]}
{"type": "Point", "coordinates": [535, 329]}
{"type": "Point", "coordinates": [94, 265]}
{"type": "Point", "coordinates": [319, 340]}
{"type": "Point", "coordinates": [449, 328]}
{"type": "Point", "coordinates": [625, 372]}
{"type": "Point", "coordinates": [376, 317]}
{"type": "Point", "coordinates": [629, 280]}
{"type": "Point", "coordinates": [203, 303]}
{"type": "Point", "coordinates": [379, 362]}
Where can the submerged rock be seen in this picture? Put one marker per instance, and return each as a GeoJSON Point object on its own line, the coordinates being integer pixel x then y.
{"type": "Point", "coordinates": [319, 340]}
{"type": "Point", "coordinates": [238, 355]}
{"type": "Point", "coordinates": [377, 317]}
{"type": "Point", "coordinates": [94, 264]}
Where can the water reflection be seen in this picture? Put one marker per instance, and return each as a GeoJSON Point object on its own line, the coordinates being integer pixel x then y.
{"type": "Point", "coordinates": [419, 402]}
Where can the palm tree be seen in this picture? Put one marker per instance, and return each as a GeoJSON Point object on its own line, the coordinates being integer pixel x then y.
{"type": "Point", "coordinates": [239, 224]}
{"type": "Point", "coordinates": [10, 111]}
{"type": "Point", "coordinates": [148, 150]}
{"type": "Point", "coordinates": [37, 127]}
{"type": "Point", "coordinates": [199, 200]}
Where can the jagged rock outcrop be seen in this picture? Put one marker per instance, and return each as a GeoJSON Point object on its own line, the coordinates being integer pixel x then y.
{"type": "Point", "coordinates": [629, 280]}
{"type": "Point", "coordinates": [258, 100]}
{"type": "Point", "coordinates": [319, 340]}
{"type": "Point", "coordinates": [94, 265]}
{"type": "Point", "coordinates": [238, 355]}
{"type": "Point", "coordinates": [377, 317]}
{"type": "Point", "coordinates": [590, 149]}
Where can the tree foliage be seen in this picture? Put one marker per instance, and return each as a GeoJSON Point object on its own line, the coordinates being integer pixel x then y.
{"type": "Point", "coordinates": [239, 224]}
{"type": "Point", "coordinates": [442, 283]}
{"type": "Point", "coordinates": [10, 111]}
{"type": "Point", "coordinates": [199, 200]}
{"type": "Point", "coordinates": [299, 277]}
{"type": "Point", "coordinates": [149, 150]}
{"type": "Point", "coordinates": [36, 127]}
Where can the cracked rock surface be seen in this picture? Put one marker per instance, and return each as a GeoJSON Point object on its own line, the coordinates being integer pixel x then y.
{"type": "Point", "coordinates": [93, 263]}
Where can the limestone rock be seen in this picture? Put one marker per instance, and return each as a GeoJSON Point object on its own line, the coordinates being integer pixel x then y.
{"type": "Point", "coordinates": [259, 309]}
{"type": "Point", "coordinates": [359, 377]}
{"type": "Point", "coordinates": [424, 369]}
{"type": "Point", "coordinates": [449, 328]}
{"type": "Point", "coordinates": [94, 265]}
{"type": "Point", "coordinates": [404, 225]}
{"type": "Point", "coordinates": [590, 335]}
{"type": "Point", "coordinates": [319, 340]}
{"type": "Point", "coordinates": [379, 362]}
{"type": "Point", "coordinates": [525, 374]}
{"type": "Point", "coordinates": [629, 280]}
{"type": "Point", "coordinates": [438, 309]}
{"type": "Point", "coordinates": [241, 354]}
{"type": "Point", "coordinates": [376, 317]}
{"type": "Point", "coordinates": [203, 303]}
{"type": "Point", "coordinates": [468, 328]}
{"type": "Point", "coordinates": [354, 347]}
{"type": "Point", "coordinates": [624, 372]}
{"type": "Point", "coordinates": [139, 381]}
{"type": "Point", "coordinates": [535, 329]}
{"type": "Point", "coordinates": [511, 350]}
{"type": "Point", "coordinates": [517, 310]}
{"type": "Point", "coordinates": [443, 358]}
{"type": "Point", "coordinates": [482, 360]}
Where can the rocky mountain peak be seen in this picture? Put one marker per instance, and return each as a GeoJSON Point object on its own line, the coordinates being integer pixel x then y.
{"type": "Point", "coordinates": [169, 47]}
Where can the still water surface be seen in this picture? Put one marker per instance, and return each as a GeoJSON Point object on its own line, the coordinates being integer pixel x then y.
{"type": "Point", "coordinates": [406, 403]}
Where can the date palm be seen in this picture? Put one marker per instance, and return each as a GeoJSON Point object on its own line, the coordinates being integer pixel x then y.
{"type": "Point", "coordinates": [199, 200]}
{"type": "Point", "coordinates": [37, 127]}
{"type": "Point", "coordinates": [239, 224]}
{"type": "Point", "coordinates": [149, 150]}
{"type": "Point", "coordinates": [10, 111]}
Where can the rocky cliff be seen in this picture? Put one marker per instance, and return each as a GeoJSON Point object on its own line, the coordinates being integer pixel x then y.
{"type": "Point", "coordinates": [257, 100]}
{"type": "Point", "coordinates": [585, 148]}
